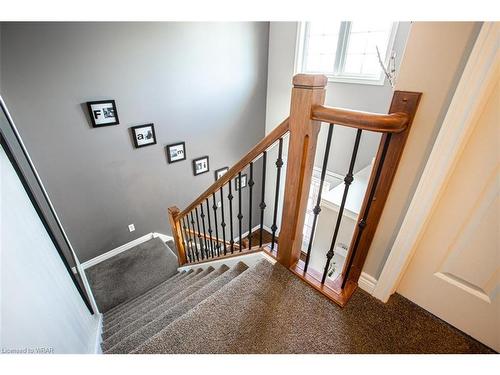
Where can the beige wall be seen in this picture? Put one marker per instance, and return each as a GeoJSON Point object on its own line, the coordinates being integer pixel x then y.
{"type": "Point", "coordinates": [435, 56]}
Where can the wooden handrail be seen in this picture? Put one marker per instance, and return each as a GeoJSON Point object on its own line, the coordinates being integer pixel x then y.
{"type": "Point", "coordinates": [262, 146]}
{"type": "Point", "coordinates": [383, 123]}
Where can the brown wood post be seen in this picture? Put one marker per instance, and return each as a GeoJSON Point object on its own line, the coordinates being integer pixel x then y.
{"type": "Point", "coordinates": [175, 224]}
{"type": "Point", "coordinates": [308, 90]}
{"type": "Point", "coordinates": [402, 102]}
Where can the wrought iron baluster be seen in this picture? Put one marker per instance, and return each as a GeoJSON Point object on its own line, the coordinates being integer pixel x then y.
{"type": "Point", "coordinates": [347, 182]}
{"type": "Point", "coordinates": [210, 229]}
{"type": "Point", "coordinates": [240, 216]}
{"type": "Point", "coordinates": [230, 198]}
{"type": "Point", "coordinates": [204, 231]}
{"type": "Point", "coordinates": [262, 205]}
{"type": "Point", "coordinates": [187, 245]}
{"type": "Point", "coordinates": [279, 165]}
{"type": "Point", "coordinates": [193, 242]}
{"type": "Point", "coordinates": [250, 187]}
{"type": "Point", "coordinates": [202, 249]}
{"type": "Point", "coordinates": [317, 208]}
{"type": "Point", "coordinates": [223, 222]}
{"type": "Point", "coordinates": [217, 240]}
{"type": "Point", "coordinates": [362, 222]}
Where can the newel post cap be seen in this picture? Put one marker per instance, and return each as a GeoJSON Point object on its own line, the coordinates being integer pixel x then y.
{"type": "Point", "coordinates": [310, 80]}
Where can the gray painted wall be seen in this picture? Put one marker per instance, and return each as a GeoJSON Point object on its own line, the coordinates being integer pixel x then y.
{"type": "Point", "coordinates": [203, 83]}
{"type": "Point", "coordinates": [41, 308]}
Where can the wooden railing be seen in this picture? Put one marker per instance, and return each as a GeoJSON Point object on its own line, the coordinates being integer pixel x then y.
{"type": "Point", "coordinates": [307, 112]}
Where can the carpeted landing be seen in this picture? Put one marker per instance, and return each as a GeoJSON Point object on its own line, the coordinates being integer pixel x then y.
{"type": "Point", "coordinates": [266, 309]}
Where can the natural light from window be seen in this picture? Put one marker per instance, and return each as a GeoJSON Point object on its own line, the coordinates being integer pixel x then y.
{"type": "Point", "coordinates": [346, 51]}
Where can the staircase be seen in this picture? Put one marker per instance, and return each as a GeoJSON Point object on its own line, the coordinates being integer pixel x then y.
{"type": "Point", "coordinates": [264, 308]}
{"type": "Point", "coordinates": [258, 308]}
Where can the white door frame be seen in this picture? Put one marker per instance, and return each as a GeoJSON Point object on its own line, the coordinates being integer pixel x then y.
{"type": "Point", "coordinates": [477, 82]}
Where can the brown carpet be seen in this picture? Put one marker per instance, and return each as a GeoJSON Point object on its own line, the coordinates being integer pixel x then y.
{"type": "Point", "coordinates": [268, 310]}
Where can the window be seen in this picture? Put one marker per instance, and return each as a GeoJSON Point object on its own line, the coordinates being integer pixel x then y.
{"type": "Point", "coordinates": [345, 51]}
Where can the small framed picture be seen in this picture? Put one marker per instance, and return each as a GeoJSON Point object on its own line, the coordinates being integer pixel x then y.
{"type": "Point", "coordinates": [176, 152]}
{"type": "Point", "coordinates": [220, 172]}
{"type": "Point", "coordinates": [200, 165]}
{"type": "Point", "coordinates": [144, 135]}
{"type": "Point", "coordinates": [242, 183]}
{"type": "Point", "coordinates": [103, 113]}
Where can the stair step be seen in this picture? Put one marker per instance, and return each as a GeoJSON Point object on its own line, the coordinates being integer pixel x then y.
{"type": "Point", "coordinates": [131, 342]}
{"type": "Point", "coordinates": [153, 313]}
{"type": "Point", "coordinates": [159, 291]}
{"type": "Point", "coordinates": [236, 318]}
{"type": "Point", "coordinates": [153, 301]}
{"type": "Point", "coordinates": [109, 315]}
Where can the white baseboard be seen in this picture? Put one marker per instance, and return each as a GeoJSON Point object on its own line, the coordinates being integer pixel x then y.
{"type": "Point", "coordinates": [367, 282]}
{"type": "Point", "coordinates": [122, 248]}
{"type": "Point", "coordinates": [98, 337]}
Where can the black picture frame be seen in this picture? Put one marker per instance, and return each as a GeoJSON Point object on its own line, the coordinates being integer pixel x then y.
{"type": "Point", "coordinates": [244, 178]}
{"type": "Point", "coordinates": [169, 154]}
{"type": "Point", "coordinates": [92, 113]}
{"type": "Point", "coordinates": [134, 129]}
{"type": "Point", "coordinates": [195, 171]}
{"type": "Point", "coordinates": [216, 173]}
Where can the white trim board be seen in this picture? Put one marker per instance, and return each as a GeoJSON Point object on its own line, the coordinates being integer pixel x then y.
{"type": "Point", "coordinates": [477, 81]}
{"type": "Point", "coordinates": [367, 282]}
{"type": "Point", "coordinates": [98, 337]}
{"type": "Point", "coordinates": [124, 247]}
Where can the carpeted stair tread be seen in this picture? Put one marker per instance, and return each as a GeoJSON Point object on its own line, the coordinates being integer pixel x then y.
{"type": "Point", "coordinates": [154, 313]}
{"type": "Point", "coordinates": [107, 316]}
{"type": "Point", "coordinates": [152, 295]}
{"type": "Point", "coordinates": [153, 302]}
{"type": "Point", "coordinates": [269, 310]}
{"type": "Point", "coordinates": [157, 324]}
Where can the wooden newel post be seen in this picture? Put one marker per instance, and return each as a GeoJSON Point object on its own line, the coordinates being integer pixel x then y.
{"type": "Point", "coordinates": [308, 90]}
{"type": "Point", "coordinates": [175, 224]}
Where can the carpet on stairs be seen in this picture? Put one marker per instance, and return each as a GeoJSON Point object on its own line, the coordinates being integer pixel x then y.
{"type": "Point", "coordinates": [269, 310]}
{"type": "Point", "coordinates": [129, 274]}
{"type": "Point", "coordinates": [150, 325]}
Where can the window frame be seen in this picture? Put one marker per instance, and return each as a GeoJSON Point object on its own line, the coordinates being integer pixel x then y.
{"type": "Point", "coordinates": [340, 55]}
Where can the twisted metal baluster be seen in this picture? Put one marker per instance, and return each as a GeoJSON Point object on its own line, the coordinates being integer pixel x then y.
{"type": "Point", "coordinates": [347, 181]}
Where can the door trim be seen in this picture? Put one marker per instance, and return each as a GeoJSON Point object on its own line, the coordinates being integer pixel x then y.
{"type": "Point", "coordinates": [475, 86]}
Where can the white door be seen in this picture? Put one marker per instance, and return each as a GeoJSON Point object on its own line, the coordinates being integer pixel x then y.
{"type": "Point", "coordinates": [455, 270]}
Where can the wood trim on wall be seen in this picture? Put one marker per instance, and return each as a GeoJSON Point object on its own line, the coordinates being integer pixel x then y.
{"type": "Point", "coordinates": [477, 81]}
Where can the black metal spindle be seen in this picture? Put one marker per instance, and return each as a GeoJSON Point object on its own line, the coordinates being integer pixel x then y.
{"type": "Point", "coordinates": [362, 222]}
{"type": "Point", "coordinates": [230, 198]}
{"type": "Point", "coordinates": [250, 190]}
{"type": "Point", "coordinates": [204, 231]}
{"type": "Point", "coordinates": [193, 241]}
{"type": "Point", "coordinates": [279, 164]}
{"type": "Point", "coordinates": [262, 205]}
{"type": "Point", "coordinates": [347, 182]}
{"type": "Point", "coordinates": [317, 208]}
{"type": "Point", "coordinates": [223, 222]}
{"type": "Point", "coordinates": [240, 216]}
{"type": "Point", "coordinates": [188, 241]}
{"type": "Point", "coordinates": [202, 249]}
{"type": "Point", "coordinates": [210, 228]}
{"type": "Point", "coordinates": [217, 240]}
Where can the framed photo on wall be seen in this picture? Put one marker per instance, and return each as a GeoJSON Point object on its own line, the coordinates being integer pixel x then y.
{"type": "Point", "coordinates": [103, 113]}
{"type": "Point", "coordinates": [144, 135]}
{"type": "Point", "coordinates": [176, 152]}
{"type": "Point", "coordinates": [242, 183]}
{"type": "Point", "coordinates": [220, 172]}
{"type": "Point", "coordinates": [200, 165]}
